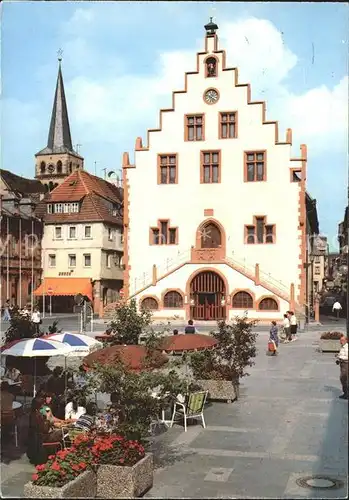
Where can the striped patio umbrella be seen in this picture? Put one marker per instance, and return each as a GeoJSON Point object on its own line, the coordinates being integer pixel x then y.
{"type": "Point", "coordinates": [80, 344]}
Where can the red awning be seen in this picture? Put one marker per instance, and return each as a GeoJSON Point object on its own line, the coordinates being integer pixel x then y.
{"type": "Point", "coordinates": [65, 286]}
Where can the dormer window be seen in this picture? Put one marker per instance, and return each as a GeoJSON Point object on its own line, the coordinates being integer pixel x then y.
{"type": "Point", "coordinates": [49, 208]}
{"type": "Point", "coordinates": [211, 67]}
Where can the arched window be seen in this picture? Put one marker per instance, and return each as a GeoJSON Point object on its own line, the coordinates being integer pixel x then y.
{"type": "Point", "coordinates": [50, 186]}
{"type": "Point", "coordinates": [173, 300]}
{"type": "Point", "coordinates": [268, 304]}
{"type": "Point", "coordinates": [210, 236]}
{"type": "Point", "coordinates": [149, 303]}
{"type": "Point", "coordinates": [46, 188]}
{"type": "Point", "coordinates": [59, 167]}
{"type": "Point", "coordinates": [42, 167]}
{"type": "Point", "coordinates": [211, 67]}
{"type": "Point", "coordinates": [243, 300]}
{"type": "Point", "coordinates": [55, 185]}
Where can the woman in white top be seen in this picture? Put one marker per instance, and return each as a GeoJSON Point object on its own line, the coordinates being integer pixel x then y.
{"type": "Point", "coordinates": [293, 325]}
{"type": "Point", "coordinates": [74, 409]}
{"type": "Point", "coordinates": [287, 330]}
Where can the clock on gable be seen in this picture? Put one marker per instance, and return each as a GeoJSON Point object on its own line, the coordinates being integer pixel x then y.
{"type": "Point", "coordinates": [211, 96]}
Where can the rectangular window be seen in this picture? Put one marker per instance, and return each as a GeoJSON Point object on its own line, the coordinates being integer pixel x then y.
{"type": "Point", "coordinates": [255, 166]}
{"type": "Point", "coordinates": [210, 167]}
{"type": "Point", "coordinates": [110, 234]}
{"type": "Point", "coordinates": [49, 208]}
{"type": "Point", "coordinates": [227, 125]}
{"type": "Point", "coordinates": [87, 259]}
{"type": "Point", "coordinates": [167, 169]}
{"type": "Point", "coordinates": [58, 233]}
{"type": "Point", "coordinates": [155, 236]}
{"type": "Point", "coordinates": [317, 259]}
{"type": "Point", "coordinates": [317, 270]}
{"type": "Point", "coordinates": [164, 230]}
{"type": "Point", "coordinates": [74, 207]}
{"type": "Point", "coordinates": [72, 260]}
{"type": "Point", "coordinates": [87, 231]}
{"type": "Point", "coordinates": [72, 233]}
{"type": "Point", "coordinates": [172, 233]}
{"type": "Point", "coordinates": [194, 128]}
{"type": "Point", "coordinates": [296, 175]}
{"type": "Point", "coordinates": [108, 260]}
{"type": "Point", "coordinates": [52, 260]}
{"type": "Point", "coordinates": [58, 208]}
{"type": "Point", "coordinates": [66, 208]}
{"type": "Point", "coordinates": [260, 232]}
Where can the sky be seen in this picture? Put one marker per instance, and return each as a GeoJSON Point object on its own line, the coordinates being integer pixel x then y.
{"type": "Point", "coordinates": [121, 61]}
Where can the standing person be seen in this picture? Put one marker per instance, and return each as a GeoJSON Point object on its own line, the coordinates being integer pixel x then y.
{"type": "Point", "coordinates": [287, 329]}
{"type": "Point", "coordinates": [342, 361]}
{"type": "Point", "coordinates": [36, 319]}
{"type": "Point", "coordinates": [274, 336]}
{"type": "Point", "coordinates": [6, 316]}
{"type": "Point", "coordinates": [337, 309]}
{"type": "Point", "coordinates": [293, 326]}
{"type": "Point", "coordinates": [190, 328]}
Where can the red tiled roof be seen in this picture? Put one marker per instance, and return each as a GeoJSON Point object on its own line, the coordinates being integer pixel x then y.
{"type": "Point", "coordinates": [133, 357]}
{"type": "Point", "coordinates": [80, 183]}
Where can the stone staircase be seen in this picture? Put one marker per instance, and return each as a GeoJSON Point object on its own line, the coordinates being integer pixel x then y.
{"type": "Point", "coordinates": [253, 272]}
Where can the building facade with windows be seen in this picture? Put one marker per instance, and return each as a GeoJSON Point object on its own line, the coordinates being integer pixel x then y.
{"type": "Point", "coordinates": [224, 228]}
{"type": "Point", "coordinates": [20, 238]}
{"type": "Point", "coordinates": [82, 245]}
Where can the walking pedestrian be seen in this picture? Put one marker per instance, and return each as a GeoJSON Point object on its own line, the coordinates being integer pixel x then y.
{"type": "Point", "coordinates": [274, 337]}
{"type": "Point", "coordinates": [287, 329]}
{"type": "Point", "coordinates": [6, 316]}
{"type": "Point", "coordinates": [342, 361]}
{"type": "Point", "coordinates": [337, 309]}
{"type": "Point", "coordinates": [36, 319]}
{"type": "Point", "coordinates": [293, 326]}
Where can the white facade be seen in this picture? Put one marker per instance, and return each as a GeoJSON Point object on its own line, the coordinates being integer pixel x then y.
{"type": "Point", "coordinates": [233, 201]}
{"type": "Point", "coordinates": [81, 249]}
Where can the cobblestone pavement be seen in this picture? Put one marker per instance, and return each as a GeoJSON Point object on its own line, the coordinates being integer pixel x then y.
{"type": "Point", "coordinates": [288, 423]}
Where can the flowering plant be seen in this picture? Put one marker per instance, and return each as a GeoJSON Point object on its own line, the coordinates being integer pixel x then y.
{"type": "Point", "coordinates": [62, 467]}
{"type": "Point", "coordinates": [116, 450]}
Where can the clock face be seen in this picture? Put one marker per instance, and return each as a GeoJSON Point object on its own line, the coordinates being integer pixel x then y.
{"type": "Point", "coordinates": [211, 96]}
{"type": "Point", "coordinates": [51, 168]}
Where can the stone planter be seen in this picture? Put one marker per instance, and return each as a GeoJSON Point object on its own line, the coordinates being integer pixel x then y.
{"type": "Point", "coordinates": [116, 481]}
{"type": "Point", "coordinates": [220, 389]}
{"type": "Point", "coordinates": [83, 486]}
{"type": "Point", "coordinates": [330, 345]}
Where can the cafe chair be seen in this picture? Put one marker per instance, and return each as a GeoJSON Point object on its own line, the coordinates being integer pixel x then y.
{"type": "Point", "coordinates": [69, 434]}
{"type": "Point", "coordinates": [192, 408]}
{"type": "Point", "coordinates": [9, 421]}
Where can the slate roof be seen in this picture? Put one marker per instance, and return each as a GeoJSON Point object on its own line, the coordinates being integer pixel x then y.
{"type": "Point", "coordinates": [21, 185]}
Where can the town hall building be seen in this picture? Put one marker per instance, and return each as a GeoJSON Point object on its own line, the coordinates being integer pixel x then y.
{"type": "Point", "coordinates": [215, 205]}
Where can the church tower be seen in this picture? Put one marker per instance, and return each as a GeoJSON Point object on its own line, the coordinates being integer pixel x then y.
{"type": "Point", "coordinates": [58, 159]}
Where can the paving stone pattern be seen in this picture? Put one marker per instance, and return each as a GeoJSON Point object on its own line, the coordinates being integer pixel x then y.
{"type": "Point", "coordinates": [287, 424]}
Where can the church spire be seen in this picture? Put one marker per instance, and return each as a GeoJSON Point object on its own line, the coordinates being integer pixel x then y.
{"type": "Point", "coordinates": [59, 138]}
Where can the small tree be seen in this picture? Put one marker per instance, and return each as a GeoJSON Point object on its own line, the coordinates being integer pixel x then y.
{"type": "Point", "coordinates": [21, 327]}
{"type": "Point", "coordinates": [128, 323]}
{"type": "Point", "coordinates": [234, 353]}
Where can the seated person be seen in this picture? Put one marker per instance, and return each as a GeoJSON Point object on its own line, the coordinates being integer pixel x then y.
{"type": "Point", "coordinates": [190, 328]}
{"type": "Point", "coordinates": [12, 373]}
{"type": "Point", "coordinates": [74, 409]}
{"type": "Point", "coordinates": [175, 332]}
{"type": "Point", "coordinates": [46, 411]}
{"type": "Point", "coordinates": [40, 431]}
{"type": "Point", "coordinates": [6, 397]}
{"type": "Point", "coordinates": [87, 421]}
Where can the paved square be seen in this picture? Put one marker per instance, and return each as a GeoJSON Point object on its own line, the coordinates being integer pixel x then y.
{"type": "Point", "coordinates": [288, 423]}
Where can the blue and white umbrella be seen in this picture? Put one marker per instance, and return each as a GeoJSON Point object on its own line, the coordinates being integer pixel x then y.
{"type": "Point", "coordinates": [80, 344]}
{"type": "Point", "coordinates": [32, 348]}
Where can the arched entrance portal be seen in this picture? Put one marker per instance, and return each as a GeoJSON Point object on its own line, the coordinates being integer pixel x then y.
{"type": "Point", "coordinates": [207, 291]}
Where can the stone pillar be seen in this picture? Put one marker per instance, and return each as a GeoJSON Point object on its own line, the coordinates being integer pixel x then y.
{"type": "Point", "coordinates": [97, 299]}
{"type": "Point", "coordinates": [154, 279]}
{"type": "Point", "coordinates": [292, 301]}
{"type": "Point", "coordinates": [256, 278]}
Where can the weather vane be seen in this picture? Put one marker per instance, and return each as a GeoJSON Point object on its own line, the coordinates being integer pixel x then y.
{"type": "Point", "coordinates": [60, 53]}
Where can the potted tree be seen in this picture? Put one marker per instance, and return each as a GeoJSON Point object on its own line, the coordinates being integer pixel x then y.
{"type": "Point", "coordinates": [330, 342]}
{"type": "Point", "coordinates": [219, 370]}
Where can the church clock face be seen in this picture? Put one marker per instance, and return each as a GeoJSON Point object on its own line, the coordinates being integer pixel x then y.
{"type": "Point", "coordinates": [211, 96]}
{"type": "Point", "coordinates": [51, 168]}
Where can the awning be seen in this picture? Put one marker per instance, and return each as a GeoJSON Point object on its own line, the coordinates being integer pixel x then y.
{"type": "Point", "coordinates": [65, 286]}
